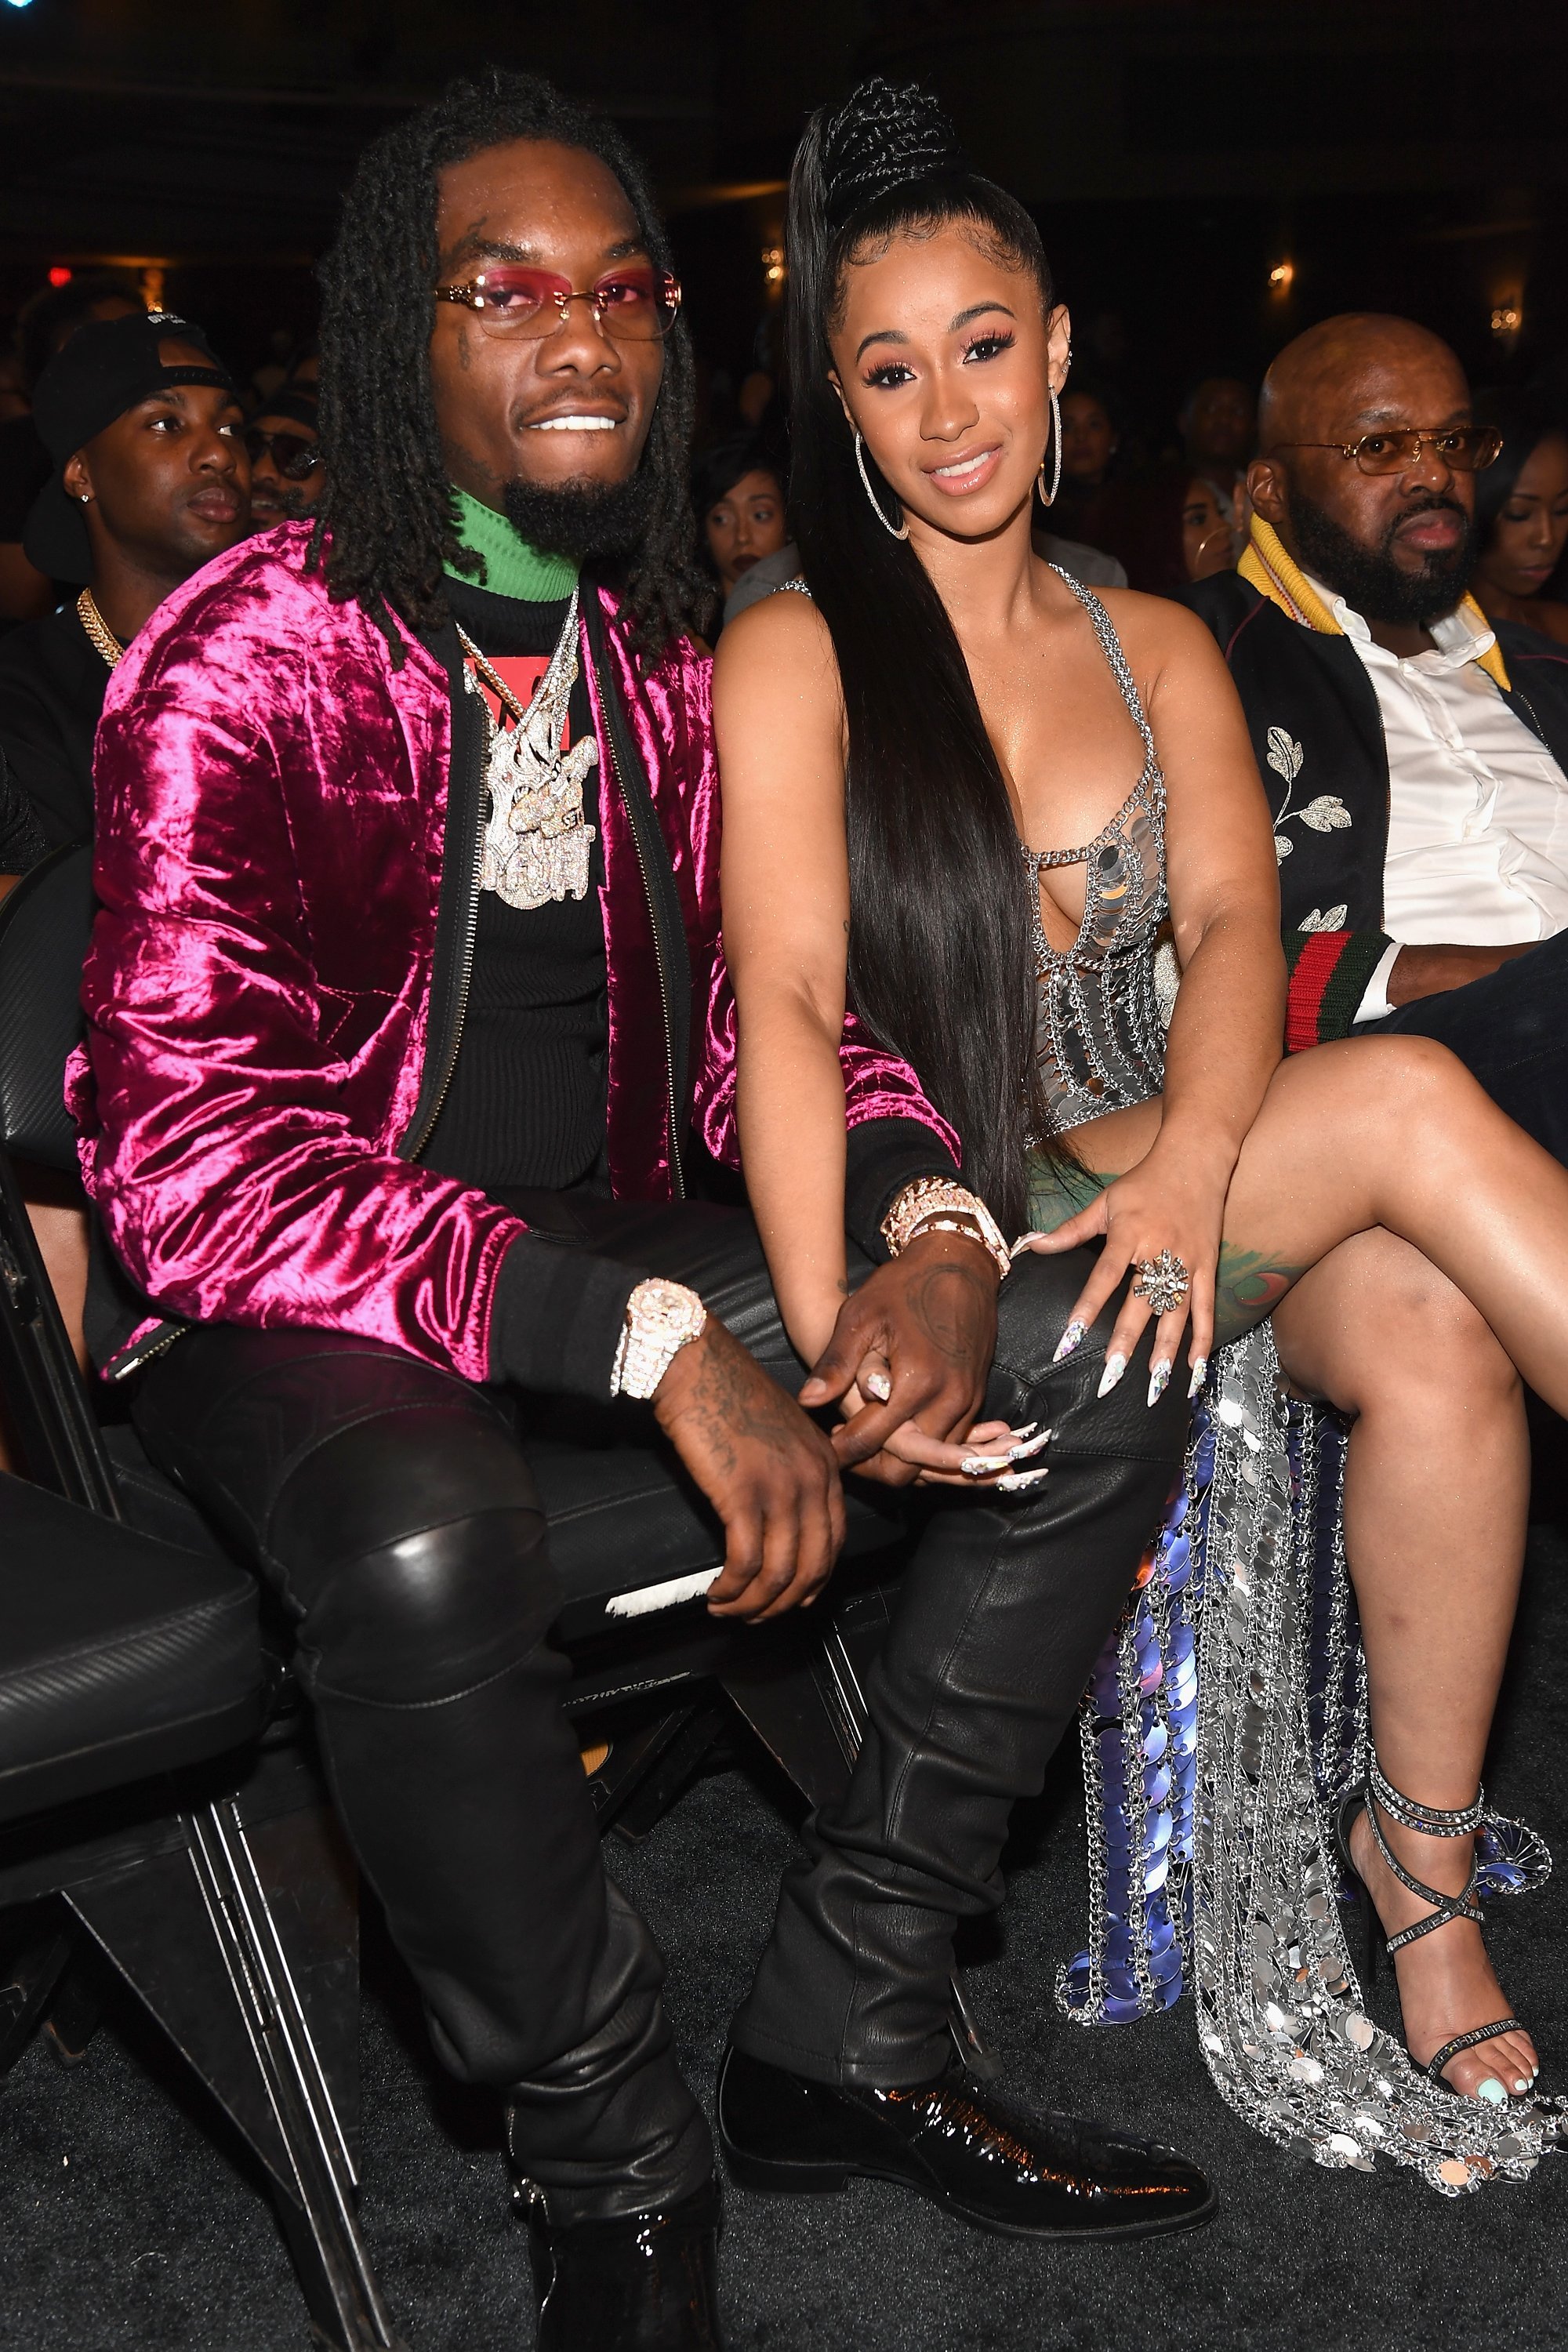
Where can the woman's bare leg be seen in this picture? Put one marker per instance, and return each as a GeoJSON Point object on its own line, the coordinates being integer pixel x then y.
{"type": "Point", "coordinates": [1394, 1131]}
{"type": "Point", "coordinates": [1359, 1147]}
{"type": "Point", "coordinates": [1435, 1564]}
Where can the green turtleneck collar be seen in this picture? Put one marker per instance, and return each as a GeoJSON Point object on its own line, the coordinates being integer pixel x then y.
{"type": "Point", "coordinates": [512, 568]}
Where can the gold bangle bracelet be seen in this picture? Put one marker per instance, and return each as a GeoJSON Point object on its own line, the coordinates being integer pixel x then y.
{"type": "Point", "coordinates": [933, 1202]}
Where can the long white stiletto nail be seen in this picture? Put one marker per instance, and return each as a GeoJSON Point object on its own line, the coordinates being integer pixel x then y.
{"type": "Point", "coordinates": [983, 1465]}
{"type": "Point", "coordinates": [1115, 1368]}
{"type": "Point", "coordinates": [1159, 1381]}
{"type": "Point", "coordinates": [1073, 1336]}
{"type": "Point", "coordinates": [1023, 1242]}
{"type": "Point", "coordinates": [1492, 2091]}
{"type": "Point", "coordinates": [879, 1385]}
{"type": "Point", "coordinates": [1028, 1446]}
{"type": "Point", "coordinates": [1200, 1374]}
{"type": "Point", "coordinates": [1018, 1482]}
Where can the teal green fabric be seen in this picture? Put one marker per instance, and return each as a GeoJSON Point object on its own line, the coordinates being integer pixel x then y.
{"type": "Point", "coordinates": [512, 568]}
{"type": "Point", "coordinates": [1059, 1188]}
{"type": "Point", "coordinates": [1249, 1284]}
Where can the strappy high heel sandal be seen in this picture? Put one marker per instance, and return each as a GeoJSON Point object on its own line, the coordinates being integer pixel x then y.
{"type": "Point", "coordinates": [1431, 1821]}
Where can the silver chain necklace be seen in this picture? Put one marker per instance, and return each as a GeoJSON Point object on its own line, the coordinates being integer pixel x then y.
{"type": "Point", "coordinates": [536, 842]}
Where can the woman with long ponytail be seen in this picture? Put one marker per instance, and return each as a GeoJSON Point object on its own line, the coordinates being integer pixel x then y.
{"type": "Point", "coordinates": [966, 802]}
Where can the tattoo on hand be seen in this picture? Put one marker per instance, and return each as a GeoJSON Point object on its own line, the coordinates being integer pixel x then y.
{"type": "Point", "coordinates": [734, 1400]}
{"type": "Point", "coordinates": [943, 1301]}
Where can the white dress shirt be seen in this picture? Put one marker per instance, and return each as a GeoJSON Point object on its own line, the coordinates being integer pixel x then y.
{"type": "Point", "coordinates": [1478, 807]}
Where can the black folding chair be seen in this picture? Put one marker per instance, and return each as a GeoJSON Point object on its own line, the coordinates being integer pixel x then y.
{"type": "Point", "coordinates": [204, 1862]}
{"type": "Point", "coordinates": [156, 1798]}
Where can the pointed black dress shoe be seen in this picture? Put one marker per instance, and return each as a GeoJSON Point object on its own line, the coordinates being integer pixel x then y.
{"type": "Point", "coordinates": [1050, 2176]}
{"type": "Point", "coordinates": [645, 2283]}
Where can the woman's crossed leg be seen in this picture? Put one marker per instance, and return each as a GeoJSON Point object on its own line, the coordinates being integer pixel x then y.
{"type": "Point", "coordinates": [1413, 1246]}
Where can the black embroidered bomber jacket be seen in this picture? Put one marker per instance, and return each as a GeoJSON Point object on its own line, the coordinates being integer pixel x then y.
{"type": "Point", "coordinates": [1317, 735]}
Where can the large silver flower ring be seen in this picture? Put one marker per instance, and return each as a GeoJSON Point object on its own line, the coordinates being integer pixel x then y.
{"type": "Point", "coordinates": [1163, 1281]}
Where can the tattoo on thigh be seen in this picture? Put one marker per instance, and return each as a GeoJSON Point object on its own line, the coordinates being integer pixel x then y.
{"type": "Point", "coordinates": [1250, 1285]}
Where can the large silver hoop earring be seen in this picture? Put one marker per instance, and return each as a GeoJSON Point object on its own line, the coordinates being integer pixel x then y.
{"type": "Point", "coordinates": [1056, 446]}
{"type": "Point", "coordinates": [902, 529]}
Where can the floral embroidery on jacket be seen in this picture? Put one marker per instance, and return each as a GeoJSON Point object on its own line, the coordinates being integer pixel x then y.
{"type": "Point", "coordinates": [1327, 814]}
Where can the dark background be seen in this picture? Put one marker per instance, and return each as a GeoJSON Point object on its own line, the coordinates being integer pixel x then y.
{"type": "Point", "coordinates": [1397, 156]}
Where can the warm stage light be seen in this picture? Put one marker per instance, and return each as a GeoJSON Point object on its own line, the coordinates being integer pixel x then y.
{"type": "Point", "coordinates": [60, 274]}
{"type": "Point", "coordinates": [774, 263]}
{"type": "Point", "coordinates": [1281, 277]}
{"type": "Point", "coordinates": [1506, 319]}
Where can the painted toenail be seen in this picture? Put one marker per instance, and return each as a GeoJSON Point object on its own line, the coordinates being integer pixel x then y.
{"type": "Point", "coordinates": [1521, 2084]}
{"type": "Point", "coordinates": [1492, 2091]}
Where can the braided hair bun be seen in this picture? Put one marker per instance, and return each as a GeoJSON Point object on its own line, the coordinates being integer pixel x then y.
{"type": "Point", "coordinates": [882, 137]}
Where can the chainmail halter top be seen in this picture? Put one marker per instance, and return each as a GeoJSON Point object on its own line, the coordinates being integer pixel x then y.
{"type": "Point", "coordinates": [1098, 1037]}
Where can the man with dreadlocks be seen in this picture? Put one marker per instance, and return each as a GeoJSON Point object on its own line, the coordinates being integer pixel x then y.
{"type": "Point", "coordinates": [408, 862]}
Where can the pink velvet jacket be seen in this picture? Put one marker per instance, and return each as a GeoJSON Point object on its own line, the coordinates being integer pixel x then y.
{"type": "Point", "coordinates": [261, 1064]}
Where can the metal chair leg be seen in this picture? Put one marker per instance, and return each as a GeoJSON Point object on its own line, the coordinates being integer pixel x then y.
{"type": "Point", "coordinates": [226, 1992]}
{"type": "Point", "coordinates": [28, 1979]}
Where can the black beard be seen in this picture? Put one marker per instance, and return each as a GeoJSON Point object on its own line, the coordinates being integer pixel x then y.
{"type": "Point", "coordinates": [582, 518]}
{"type": "Point", "coordinates": [1369, 579]}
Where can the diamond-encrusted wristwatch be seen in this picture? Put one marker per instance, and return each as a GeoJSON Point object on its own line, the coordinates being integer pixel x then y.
{"type": "Point", "coordinates": [662, 1316]}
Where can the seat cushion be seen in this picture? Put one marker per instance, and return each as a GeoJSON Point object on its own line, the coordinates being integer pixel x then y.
{"type": "Point", "coordinates": [119, 1656]}
{"type": "Point", "coordinates": [630, 1535]}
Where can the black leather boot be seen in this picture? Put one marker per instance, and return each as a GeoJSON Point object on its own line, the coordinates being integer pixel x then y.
{"type": "Point", "coordinates": [648, 2282]}
{"type": "Point", "coordinates": [1050, 2176]}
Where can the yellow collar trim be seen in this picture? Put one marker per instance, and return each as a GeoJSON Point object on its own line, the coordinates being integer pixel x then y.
{"type": "Point", "coordinates": [1270, 569]}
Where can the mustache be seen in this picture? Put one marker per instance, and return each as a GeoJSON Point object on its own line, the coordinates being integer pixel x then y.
{"type": "Point", "coordinates": [1432, 503]}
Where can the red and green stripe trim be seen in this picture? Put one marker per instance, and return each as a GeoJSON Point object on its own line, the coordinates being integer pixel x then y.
{"type": "Point", "coordinates": [1329, 972]}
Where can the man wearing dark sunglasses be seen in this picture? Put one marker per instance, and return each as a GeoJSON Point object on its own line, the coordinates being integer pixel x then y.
{"type": "Point", "coordinates": [285, 446]}
{"type": "Point", "coordinates": [1414, 758]}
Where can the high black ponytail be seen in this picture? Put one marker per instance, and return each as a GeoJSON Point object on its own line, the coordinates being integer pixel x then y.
{"type": "Point", "coordinates": [940, 962]}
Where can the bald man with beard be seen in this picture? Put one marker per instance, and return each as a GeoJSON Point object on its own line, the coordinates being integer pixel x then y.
{"type": "Point", "coordinates": [1414, 755]}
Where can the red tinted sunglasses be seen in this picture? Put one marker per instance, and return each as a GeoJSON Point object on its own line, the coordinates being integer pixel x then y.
{"type": "Point", "coordinates": [509, 299]}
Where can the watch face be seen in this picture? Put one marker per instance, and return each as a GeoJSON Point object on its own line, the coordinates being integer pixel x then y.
{"type": "Point", "coordinates": [666, 1306]}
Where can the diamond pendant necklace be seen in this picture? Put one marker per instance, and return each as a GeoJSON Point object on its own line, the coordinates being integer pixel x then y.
{"type": "Point", "coordinates": [536, 841]}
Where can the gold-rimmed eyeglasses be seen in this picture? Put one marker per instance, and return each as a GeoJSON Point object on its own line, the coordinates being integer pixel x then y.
{"type": "Point", "coordinates": [1468, 448]}
{"type": "Point", "coordinates": [637, 305]}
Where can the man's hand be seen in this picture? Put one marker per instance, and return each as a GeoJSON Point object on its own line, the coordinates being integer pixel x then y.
{"type": "Point", "coordinates": [766, 1469]}
{"type": "Point", "coordinates": [930, 1318]}
{"type": "Point", "coordinates": [1427, 971]}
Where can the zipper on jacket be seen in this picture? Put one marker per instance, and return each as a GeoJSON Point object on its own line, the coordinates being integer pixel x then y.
{"type": "Point", "coordinates": [414, 1143]}
{"type": "Point", "coordinates": [157, 1343]}
{"type": "Point", "coordinates": [677, 1175]}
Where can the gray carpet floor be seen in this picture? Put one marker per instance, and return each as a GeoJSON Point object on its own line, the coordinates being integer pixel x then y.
{"type": "Point", "coordinates": [125, 2223]}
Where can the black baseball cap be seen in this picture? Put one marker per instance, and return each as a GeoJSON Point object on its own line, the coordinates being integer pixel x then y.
{"type": "Point", "coordinates": [107, 367]}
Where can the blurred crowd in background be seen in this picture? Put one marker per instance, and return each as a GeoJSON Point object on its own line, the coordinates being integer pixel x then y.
{"type": "Point", "coordinates": [1148, 500]}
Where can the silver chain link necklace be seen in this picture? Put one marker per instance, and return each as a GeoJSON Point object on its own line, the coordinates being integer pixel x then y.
{"type": "Point", "coordinates": [537, 841]}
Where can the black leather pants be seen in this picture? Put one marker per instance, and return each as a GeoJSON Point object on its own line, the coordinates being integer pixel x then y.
{"type": "Point", "coordinates": [392, 1507]}
{"type": "Point", "coordinates": [999, 1619]}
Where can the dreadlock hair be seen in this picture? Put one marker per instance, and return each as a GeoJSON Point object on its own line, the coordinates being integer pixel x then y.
{"type": "Point", "coordinates": [386, 526]}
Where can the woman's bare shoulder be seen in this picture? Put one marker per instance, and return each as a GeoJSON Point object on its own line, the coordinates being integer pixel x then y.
{"type": "Point", "coordinates": [783, 640]}
{"type": "Point", "coordinates": [1163, 640]}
